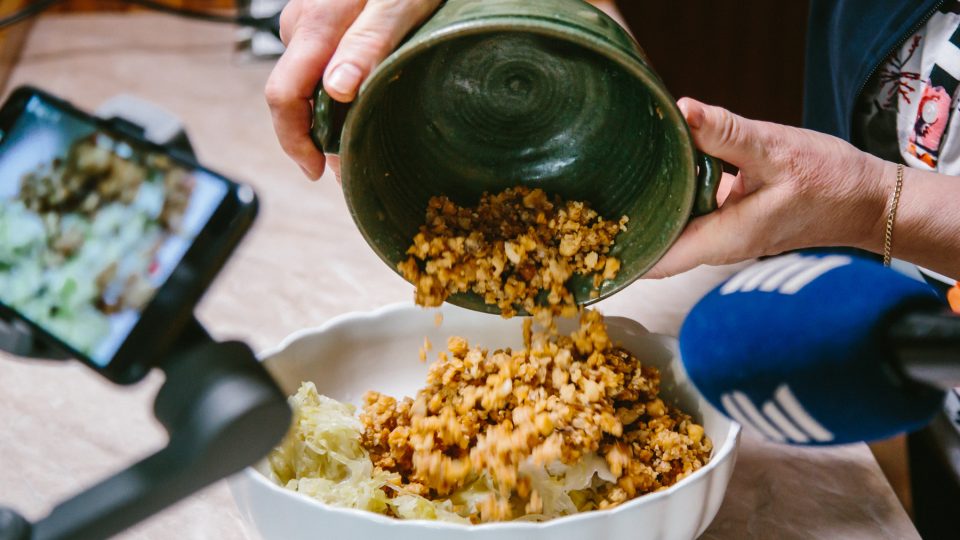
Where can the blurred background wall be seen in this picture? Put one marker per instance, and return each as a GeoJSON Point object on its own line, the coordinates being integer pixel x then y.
{"type": "Point", "coordinates": [747, 56]}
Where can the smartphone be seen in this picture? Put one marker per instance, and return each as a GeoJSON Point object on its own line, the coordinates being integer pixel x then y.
{"type": "Point", "coordinates": [107, 241]}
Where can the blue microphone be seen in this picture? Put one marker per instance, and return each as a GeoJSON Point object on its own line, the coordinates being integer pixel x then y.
{"type": "Point", "coordinates": [822, 348]}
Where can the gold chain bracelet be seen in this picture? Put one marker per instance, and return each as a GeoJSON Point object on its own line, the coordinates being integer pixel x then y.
{"type": "Point", "coordinates": [888, 236]}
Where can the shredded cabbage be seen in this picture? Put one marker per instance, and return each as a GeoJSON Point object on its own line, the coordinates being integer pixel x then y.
{"type": "Point", "coordinates": [323, 457]}
{"type": "Point", "coordinates": [468, 498]}
{"type": "Point", "coordinates": [561, 486]}
{"type": "Point", "coordinates": [584, 474]}
{"type": "Point", "coordinates": [412, 506]}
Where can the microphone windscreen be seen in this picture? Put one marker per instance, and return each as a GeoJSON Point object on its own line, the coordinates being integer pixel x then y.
{"type": "Point", "coordinates": [793, 347]}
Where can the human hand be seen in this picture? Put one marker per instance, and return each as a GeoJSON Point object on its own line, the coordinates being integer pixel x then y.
{"type": "Point", "coordinates": [340, 41]}
{"type": "Point", "coordinates": [795, 188]}
{"type": "Point", "coordinates": [610, 8]}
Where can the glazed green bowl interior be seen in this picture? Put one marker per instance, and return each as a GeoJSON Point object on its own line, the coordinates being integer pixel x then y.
{"type": "Point", "coordinates": [484, 110]}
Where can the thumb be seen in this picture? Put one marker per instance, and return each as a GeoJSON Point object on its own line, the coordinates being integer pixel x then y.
{"type": "Point", "coordinates": [714, 239]}
{"type": "Point", "coordinates": [371, 38]}
{"type": "Point", "coordinates": [333, 162]}
{"type": "Point", "coordinates": [722, 134]}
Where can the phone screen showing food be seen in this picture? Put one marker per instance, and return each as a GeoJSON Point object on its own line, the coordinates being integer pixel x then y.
{"type": "Point", "coordinates": [91, 225]}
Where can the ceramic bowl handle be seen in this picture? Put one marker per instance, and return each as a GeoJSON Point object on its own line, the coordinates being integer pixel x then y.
{"type": "Point", "coordinates": [328, 119]}
{"type": "Point", "coordinates": [709, 171]}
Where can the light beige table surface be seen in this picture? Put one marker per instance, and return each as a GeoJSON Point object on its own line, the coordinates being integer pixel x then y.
{"type": "Point", "coordinates": [62, 427]}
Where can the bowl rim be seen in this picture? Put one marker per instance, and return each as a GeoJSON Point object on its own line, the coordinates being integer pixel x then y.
{"type": "Point", "coordinates": [630, 63]}
{"type": "Point", "coordinates": [720, 455]}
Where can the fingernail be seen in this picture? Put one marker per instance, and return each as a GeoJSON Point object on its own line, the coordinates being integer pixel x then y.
{"type": "Point", "coordinates": [308, 173]}
{"type": "Point", "coordinates": [344, 79]}
{"type": "Point", "coordinates": [694, 119]}
{"type": "Point", "coordinates": [653, 273]}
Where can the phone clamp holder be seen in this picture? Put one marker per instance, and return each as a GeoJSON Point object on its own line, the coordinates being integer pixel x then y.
{"type": "Point", "coordinates": [222, 412]}
{"type": "Point", "coordinates": [128, 114]}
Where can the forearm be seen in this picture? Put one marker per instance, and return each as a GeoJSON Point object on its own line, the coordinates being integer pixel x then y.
{"type": "Point", "coordinates": [926, 230]}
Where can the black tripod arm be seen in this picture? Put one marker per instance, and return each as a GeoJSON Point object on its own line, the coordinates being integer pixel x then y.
{"type": "Point", "coordinates": [223, 413]}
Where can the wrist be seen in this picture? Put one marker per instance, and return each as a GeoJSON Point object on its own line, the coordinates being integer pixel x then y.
{"type": "Point", "coordinates": [877, 186]}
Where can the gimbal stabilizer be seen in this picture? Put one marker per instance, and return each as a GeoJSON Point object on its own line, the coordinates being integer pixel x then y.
{"type": "Point", "coordinates": [220, 408]}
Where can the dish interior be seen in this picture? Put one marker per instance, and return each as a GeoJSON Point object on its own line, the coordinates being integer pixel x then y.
{"type": "Point", "coordinates": [380, 351]}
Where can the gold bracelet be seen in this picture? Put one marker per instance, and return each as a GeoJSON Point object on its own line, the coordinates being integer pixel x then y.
{"type": "Point", "coordinates": [888, 236]}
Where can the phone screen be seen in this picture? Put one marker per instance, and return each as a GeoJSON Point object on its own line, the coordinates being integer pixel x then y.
{"type": "Point", "coordinates": [91, 225]}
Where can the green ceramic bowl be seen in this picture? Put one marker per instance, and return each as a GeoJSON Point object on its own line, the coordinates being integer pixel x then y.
{"type": "Point", "coordinates": [489, 94]}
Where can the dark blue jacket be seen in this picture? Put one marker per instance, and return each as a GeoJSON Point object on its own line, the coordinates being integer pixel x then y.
{"type": "Point", "coordinates": [846, 41]}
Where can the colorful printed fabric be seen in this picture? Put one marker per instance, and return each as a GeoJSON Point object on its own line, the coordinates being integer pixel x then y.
{"type": "Point", "coordinates": [906, 108]}
{"type": "Point", "coordinates": [914, 94]}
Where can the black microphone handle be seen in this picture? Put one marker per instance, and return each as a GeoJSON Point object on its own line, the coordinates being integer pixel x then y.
{"type": "Point", "coordinates": [927, 345]}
